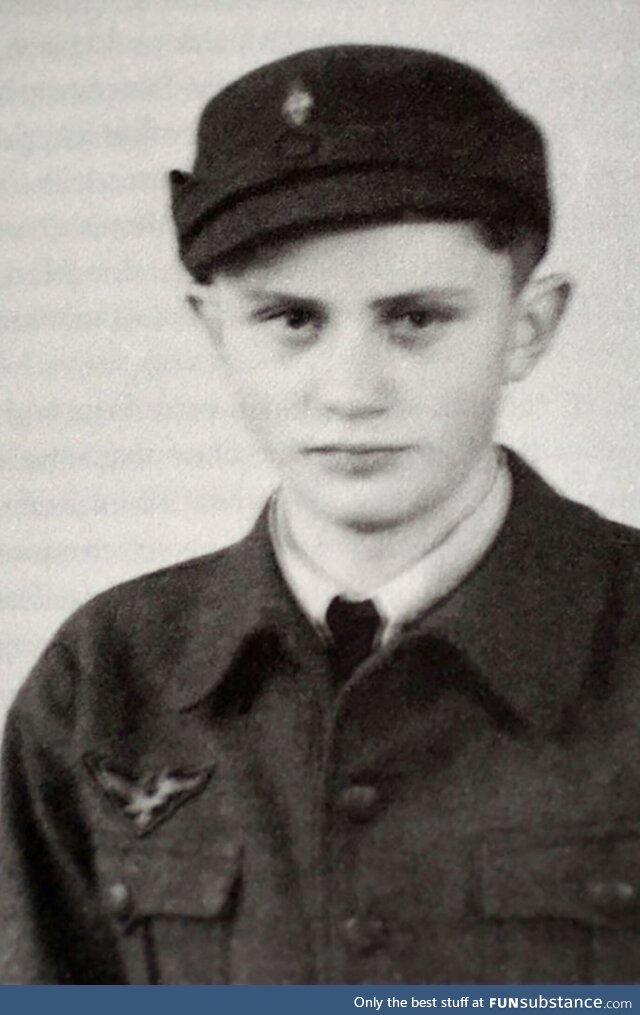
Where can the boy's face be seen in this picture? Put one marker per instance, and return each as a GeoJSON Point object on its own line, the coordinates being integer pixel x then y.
{"type": "Point", "coordinates": [369, 364]}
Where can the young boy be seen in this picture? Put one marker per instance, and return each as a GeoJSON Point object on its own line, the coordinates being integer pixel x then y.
{"type": "Point", "coordinates": [391, 736]}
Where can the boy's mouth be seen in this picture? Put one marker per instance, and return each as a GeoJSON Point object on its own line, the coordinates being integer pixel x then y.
{"type": "Point", "coordinates": [357, 458]}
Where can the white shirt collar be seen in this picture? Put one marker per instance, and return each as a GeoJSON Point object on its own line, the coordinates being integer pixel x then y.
{"type": "Point", "coordinates": [415, 590]}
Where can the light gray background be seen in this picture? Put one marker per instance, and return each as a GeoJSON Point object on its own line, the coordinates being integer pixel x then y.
{"type": "Point", "coordinates": [120, 452]}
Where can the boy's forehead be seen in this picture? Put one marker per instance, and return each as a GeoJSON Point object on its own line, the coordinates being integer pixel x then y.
{"type": "Point", "coordinates": [397, 240]}
{"type": "Point", "coordinates": [370, 262]}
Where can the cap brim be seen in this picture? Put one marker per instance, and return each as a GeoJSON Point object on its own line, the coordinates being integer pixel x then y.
{"type": "Point", "coordinates": [331, 201]}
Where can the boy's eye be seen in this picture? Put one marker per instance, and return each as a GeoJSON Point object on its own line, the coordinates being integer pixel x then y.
{"type": "Point", "coordinates": [413, 326]}
{"type": "Point", "coordinates": [297, 317]}
{"type": "Point", "coordinates": [417, 318]}
{"type": "Point", "coordinates": [422, 317]}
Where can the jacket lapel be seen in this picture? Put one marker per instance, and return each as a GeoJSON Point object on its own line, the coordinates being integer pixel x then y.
{"type": "Point", "coordinates": [528, 615]}
{"type": "Point", "coordinates": [240, 600]}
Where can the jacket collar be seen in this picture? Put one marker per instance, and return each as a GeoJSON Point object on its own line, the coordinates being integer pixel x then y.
{"type": "Point", "coordinates": [525, 617]}
{"type": "Point", "coordinates": [244, 598]}
{"type": "Point", "coordinates": [530, 615]}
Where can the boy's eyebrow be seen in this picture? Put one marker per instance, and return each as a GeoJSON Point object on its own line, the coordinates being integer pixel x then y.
{"type": "Point", "coordinates": [271, 294]}
{"type": "Point", "coordinates": [414, 296]}
{"type": "Point", "coordinates": [426, 295]}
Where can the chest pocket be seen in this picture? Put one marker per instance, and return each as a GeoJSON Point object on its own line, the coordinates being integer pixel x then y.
{"type": "Point", "coordinates": [566, 913]}
{"type": "Point", "coordinates": [171, 911]}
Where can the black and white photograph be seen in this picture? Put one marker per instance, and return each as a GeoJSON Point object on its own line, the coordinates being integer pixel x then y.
{"type": "Point", "coordinates": [320, 470]}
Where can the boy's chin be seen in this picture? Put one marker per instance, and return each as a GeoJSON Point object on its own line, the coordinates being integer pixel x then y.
{"type": "Point", "coordinates": [366, 514]}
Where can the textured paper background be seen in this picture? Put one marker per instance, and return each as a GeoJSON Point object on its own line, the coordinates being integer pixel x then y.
{"type": "Point", "coordinates": [120, 451]}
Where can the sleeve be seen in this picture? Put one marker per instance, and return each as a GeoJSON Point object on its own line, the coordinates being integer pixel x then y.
{"type": "Point", "coordinates": [52, 929]}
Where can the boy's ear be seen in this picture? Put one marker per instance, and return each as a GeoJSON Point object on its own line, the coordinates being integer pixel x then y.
{"type": "Point", "coordinates": [201, 299]}
{"type": "Point", "coordinates": [541, 306]}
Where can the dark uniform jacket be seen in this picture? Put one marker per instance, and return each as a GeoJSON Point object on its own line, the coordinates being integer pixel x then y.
{"type": "Point", "coordinates": [189, 799]}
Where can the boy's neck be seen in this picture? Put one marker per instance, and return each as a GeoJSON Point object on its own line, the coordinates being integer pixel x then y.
{"type": "Point", "coordinates": [362, 561]}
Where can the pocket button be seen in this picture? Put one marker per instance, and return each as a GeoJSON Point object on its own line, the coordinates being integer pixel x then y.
{"type": "Point", "coordinates": [363, 935]}
{"type": "Point", "coordinates": [359, 802]}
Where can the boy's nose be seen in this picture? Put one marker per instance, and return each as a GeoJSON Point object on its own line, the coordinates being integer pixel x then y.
{"type": "Point", "coordinates": [353, 379]}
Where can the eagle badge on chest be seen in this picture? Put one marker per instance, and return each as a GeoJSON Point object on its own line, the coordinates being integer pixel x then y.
{"type": "Point", "coordinates": [150, 798]}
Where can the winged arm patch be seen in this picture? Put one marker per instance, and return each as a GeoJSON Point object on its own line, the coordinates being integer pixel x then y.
{"type": "Point", "coordinates": [150, 798]}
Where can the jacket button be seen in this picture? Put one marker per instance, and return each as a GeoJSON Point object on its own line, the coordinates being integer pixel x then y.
{"type": "Point", "coordinates": [612, 896]}
{"type": "Point", "coordinates": [363, 934]}
{"type": "Point", "coordinates": [359, 802]}
{"type": "Point", "coordinates": [120, 900]}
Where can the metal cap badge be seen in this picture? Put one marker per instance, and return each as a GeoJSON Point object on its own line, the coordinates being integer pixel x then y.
{"type": "Point", "coordinates": [297, 107]}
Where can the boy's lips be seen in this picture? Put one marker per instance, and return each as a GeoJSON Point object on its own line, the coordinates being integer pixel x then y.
{"type": "Point", "coordinates": [357, 458]}
{"type": "Point", "coordinates": [354, 449]}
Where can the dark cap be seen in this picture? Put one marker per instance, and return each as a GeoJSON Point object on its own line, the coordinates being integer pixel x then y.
{"type": "Point", "coordinates": [355, 133]}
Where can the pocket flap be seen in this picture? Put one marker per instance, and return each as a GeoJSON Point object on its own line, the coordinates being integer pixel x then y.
{"type": "Point", "coordinates": [145, 882]}
{"type": "Point", "coordinates": [595, 881]}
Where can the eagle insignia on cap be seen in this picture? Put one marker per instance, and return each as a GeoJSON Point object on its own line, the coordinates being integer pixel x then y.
{"type": "Point", "coordinates": [147, 800]}
{"type": "Point", "coordinates": [297, 107]}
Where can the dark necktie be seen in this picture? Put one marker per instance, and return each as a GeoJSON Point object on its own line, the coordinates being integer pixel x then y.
{"type": "Point", "coordinates": [353, 627]}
